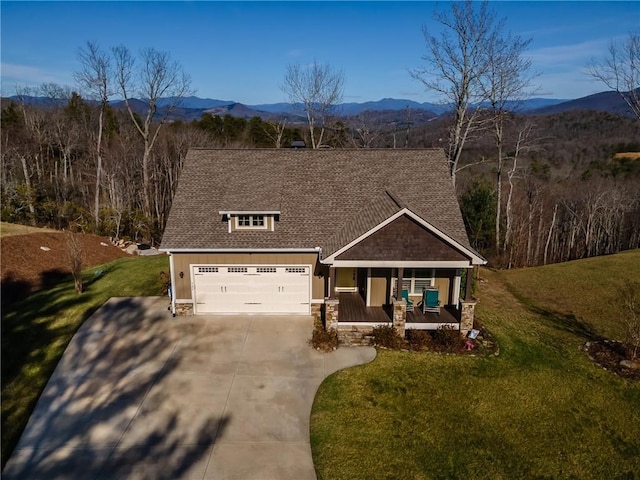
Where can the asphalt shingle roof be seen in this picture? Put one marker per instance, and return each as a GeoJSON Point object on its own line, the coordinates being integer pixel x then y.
{"type": "Point", "coordinates": [326, 198]}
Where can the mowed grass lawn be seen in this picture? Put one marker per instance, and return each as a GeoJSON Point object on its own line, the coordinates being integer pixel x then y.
{"type": "Point", "coordinates": [540, 409]}
{"type": "Point", "coordinates": [36, 330]}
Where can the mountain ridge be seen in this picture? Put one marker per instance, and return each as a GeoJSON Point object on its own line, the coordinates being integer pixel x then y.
{"type": "Point", "coordinates": [193, 107]}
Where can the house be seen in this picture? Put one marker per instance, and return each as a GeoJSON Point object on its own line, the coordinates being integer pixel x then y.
{"type": "Point", "coordinates": [319, 232]}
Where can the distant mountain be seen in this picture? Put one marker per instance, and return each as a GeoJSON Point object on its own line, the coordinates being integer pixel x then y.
{"type": "Point", "coordinates": [274, 107]}
{"type": "Point", "coordinates": [195, 102]}
{"type": "Point", "coordinates": [390, 104]}
{"type": "Point", "coordinates": [137, 106]}
{"type": "Point", "coordinates": [237, 110]}
{"type": "Point", "coordinates": [392, 109]}
{"type": "Point", "coordinates": [609, 102]}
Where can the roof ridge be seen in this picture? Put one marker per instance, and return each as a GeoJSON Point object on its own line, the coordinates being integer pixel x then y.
{"type": "Point", "coordinates": [396, 199]}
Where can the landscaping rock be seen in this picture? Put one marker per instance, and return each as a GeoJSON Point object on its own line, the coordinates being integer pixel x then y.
{"type": "Point", "coordinates": [131, 249]}
{"type": "Point", "coordinates": [631, 364]}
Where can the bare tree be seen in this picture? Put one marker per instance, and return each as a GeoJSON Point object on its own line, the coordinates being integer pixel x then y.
{"type": "Point", "coordinates": [366, 130]}
{"type": "Point", "coordinates": [523, 143]}
{"type": "Point", "coordinates": [457, 62]}
{"type": "Point", "coordinates": [155, 77]}
{"type": "Point", "coordinates": [275, 131]}
{"type": "Point", "coordinates": [94, 78]}
{"type": "Point", "coordinates": [317, 89]}
{"type": "Point", "coordinates": [620, 70]}
{"type": "Point", "coordinates": [75, 258]}
{"type": "Point", "coordinates": [507, 82]}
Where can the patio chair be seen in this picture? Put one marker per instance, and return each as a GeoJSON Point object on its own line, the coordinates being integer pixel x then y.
{"type": "Point", "coordinates": [430, 301]}
{"type": "Point", "coordinates": [409, 303]}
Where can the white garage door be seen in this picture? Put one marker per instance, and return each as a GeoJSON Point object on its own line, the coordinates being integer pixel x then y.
{"type": "Point", "coordinates": [252, 289]}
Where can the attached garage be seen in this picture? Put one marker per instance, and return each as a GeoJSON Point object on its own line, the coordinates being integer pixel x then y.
{"type": "Point", "coordinates": [251, 289]}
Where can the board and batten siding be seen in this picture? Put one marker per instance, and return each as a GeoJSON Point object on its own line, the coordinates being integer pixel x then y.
{"type": "Point", "coordinates": [182, 263]}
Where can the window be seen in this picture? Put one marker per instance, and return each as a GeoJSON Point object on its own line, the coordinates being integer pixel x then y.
{"type": "Point", "coordinates": [207, 269]}
{"type": "Point", "coordinates": [237, 270]}
{"type": "Point", "coordinates": [415, 280]}
{"type": "Point", "coordinates": [266, 269]}
{"type": "Point", "coordinates": [296, 270]}
{"type": "Point", "coordinates": [251, 222]}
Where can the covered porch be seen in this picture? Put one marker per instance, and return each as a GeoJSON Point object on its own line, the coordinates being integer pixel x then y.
{"type": "Point", "coordinates": [354, 313]}
{"type": "Point", "coordinates": [381, 276]}
{"type": "Point", "coordinates": [361, 298]}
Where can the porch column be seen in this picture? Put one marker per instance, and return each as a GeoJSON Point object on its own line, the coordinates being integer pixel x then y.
{"type": "Point", "coordinates": [399, 283]}
{"type": "Point", "coordinates": [332, 282]}
{"type": "Point", "coordinates": [467, 288]}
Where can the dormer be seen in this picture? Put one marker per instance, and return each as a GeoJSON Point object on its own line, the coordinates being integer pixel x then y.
{"type": "Point", "coordinates": [241, 221]}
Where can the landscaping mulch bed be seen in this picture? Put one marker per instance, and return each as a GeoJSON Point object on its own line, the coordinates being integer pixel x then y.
{"type": "Point", "coordinates": [33, 261]}
{"type": "Point", "coordinates": [611, 356]}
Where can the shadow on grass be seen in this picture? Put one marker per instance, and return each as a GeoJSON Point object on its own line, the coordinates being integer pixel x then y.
{"type": "Point", "coordinates": [36, 328]}
{"type": "Point", "coordinates": [91, 419]}
{"type": "Point", "coordinates": [566, 322]}
{"type": "Point", "coordinates": [13, 289]}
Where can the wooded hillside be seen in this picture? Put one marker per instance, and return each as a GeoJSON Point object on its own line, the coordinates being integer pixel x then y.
{"type": "Point", "coordinates": [566, 191]}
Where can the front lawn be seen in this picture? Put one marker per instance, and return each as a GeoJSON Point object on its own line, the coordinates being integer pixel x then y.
{"type": "Point", "coordinates": [541, 409]}
{"type": "Point", "coordinates": [36, 330]}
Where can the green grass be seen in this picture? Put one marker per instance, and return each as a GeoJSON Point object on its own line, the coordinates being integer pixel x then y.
{"type": "Point", "coordinates": [541, 409]}
{"type": "Point", "coordinates": [585, 292]}
{"type": "Point", "coordinates": [36, 330]}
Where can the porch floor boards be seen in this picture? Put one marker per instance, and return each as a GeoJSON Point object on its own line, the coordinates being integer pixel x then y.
{"type": "Point", "coordinates": [352, 309]}
{"type": "Point", "coordinates": [430, 317]}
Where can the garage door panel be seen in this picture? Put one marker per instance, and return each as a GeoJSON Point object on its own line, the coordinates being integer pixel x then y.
{"type": "Point", "coordinates": [252, 289]}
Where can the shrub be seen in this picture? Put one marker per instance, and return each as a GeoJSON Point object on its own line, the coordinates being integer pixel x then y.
{"type": "Point", "coordinates": [631, 317]}
{"type": "Point", "coordinates": [323, 339]}
{"type": "Point", "coordinates": [419, 340]}
{"type": "Point", "coordinates": [387, 337]}
{"type": "Point", "coordinates": [447, 339]}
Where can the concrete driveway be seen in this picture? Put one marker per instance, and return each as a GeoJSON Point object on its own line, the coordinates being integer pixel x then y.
{"type": "Point", "coordinates": [139, 394]}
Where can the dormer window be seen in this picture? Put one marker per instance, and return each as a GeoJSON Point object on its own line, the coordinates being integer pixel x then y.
{"type": "Point", "coordinates": [243, 220]}
{"type": "Point", "coordinates": [250, 222]}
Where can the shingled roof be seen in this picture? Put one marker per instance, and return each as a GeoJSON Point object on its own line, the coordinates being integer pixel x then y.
{"type": "Point", "coordinates": [326, 198]}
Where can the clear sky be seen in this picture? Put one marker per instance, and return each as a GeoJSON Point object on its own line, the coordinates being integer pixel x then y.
{"type": "Point", "coordinates": [240, 50]}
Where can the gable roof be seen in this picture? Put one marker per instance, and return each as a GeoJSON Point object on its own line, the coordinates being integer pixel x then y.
{"type": "Point", "coordinates": [326, 198]}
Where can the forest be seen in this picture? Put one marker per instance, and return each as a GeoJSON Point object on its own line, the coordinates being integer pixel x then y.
{"type": "Point", "coordinates": [570, 182]}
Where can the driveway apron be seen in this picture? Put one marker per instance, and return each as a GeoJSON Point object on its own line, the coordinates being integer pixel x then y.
{"type": "Point", "coordinates": [141, 395]}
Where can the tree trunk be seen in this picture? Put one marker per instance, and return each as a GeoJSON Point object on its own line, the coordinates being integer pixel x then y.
{"type": "Point", "coordinates": [96, 199]}
{"type": "Point", "coordinates": [553, 222]}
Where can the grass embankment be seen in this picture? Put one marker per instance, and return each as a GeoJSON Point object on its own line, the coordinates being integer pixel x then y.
{"type": "Point", "coordinates": [8, 229]}
{"type": "Point", "coordinates": [541, 409]}
{"type": "Point", "coordinates": [36, 330]}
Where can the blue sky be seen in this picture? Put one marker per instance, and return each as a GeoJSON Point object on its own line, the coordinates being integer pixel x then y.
{"type": "Point", "coordinates": [240, 50]}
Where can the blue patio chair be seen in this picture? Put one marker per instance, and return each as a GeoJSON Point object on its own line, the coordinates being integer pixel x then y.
{"type": "Point", "coordinates": [409, 303]}
{"type": "Point", "coordinates": [430, 301]}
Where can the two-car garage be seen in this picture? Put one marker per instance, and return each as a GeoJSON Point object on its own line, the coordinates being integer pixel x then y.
{"type": "Point", "coordinates": [251, 289]}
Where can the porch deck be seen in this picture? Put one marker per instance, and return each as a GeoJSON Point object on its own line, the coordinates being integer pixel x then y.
{"type": "Point", "coordinates": [353, 310]}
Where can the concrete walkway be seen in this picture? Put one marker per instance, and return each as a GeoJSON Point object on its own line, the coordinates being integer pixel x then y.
{"type": "Point", "coordinates": [139, 394]}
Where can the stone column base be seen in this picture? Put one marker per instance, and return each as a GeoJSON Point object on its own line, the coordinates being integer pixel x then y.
{"type": "Point", "coordinates": [467, 315]}
{"type": "Point", "coordinates": [184, 309]}
{"type": "Point", "coordinates": [332, 307]}
{"type": "Point", "coordinates": [399, 316]}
